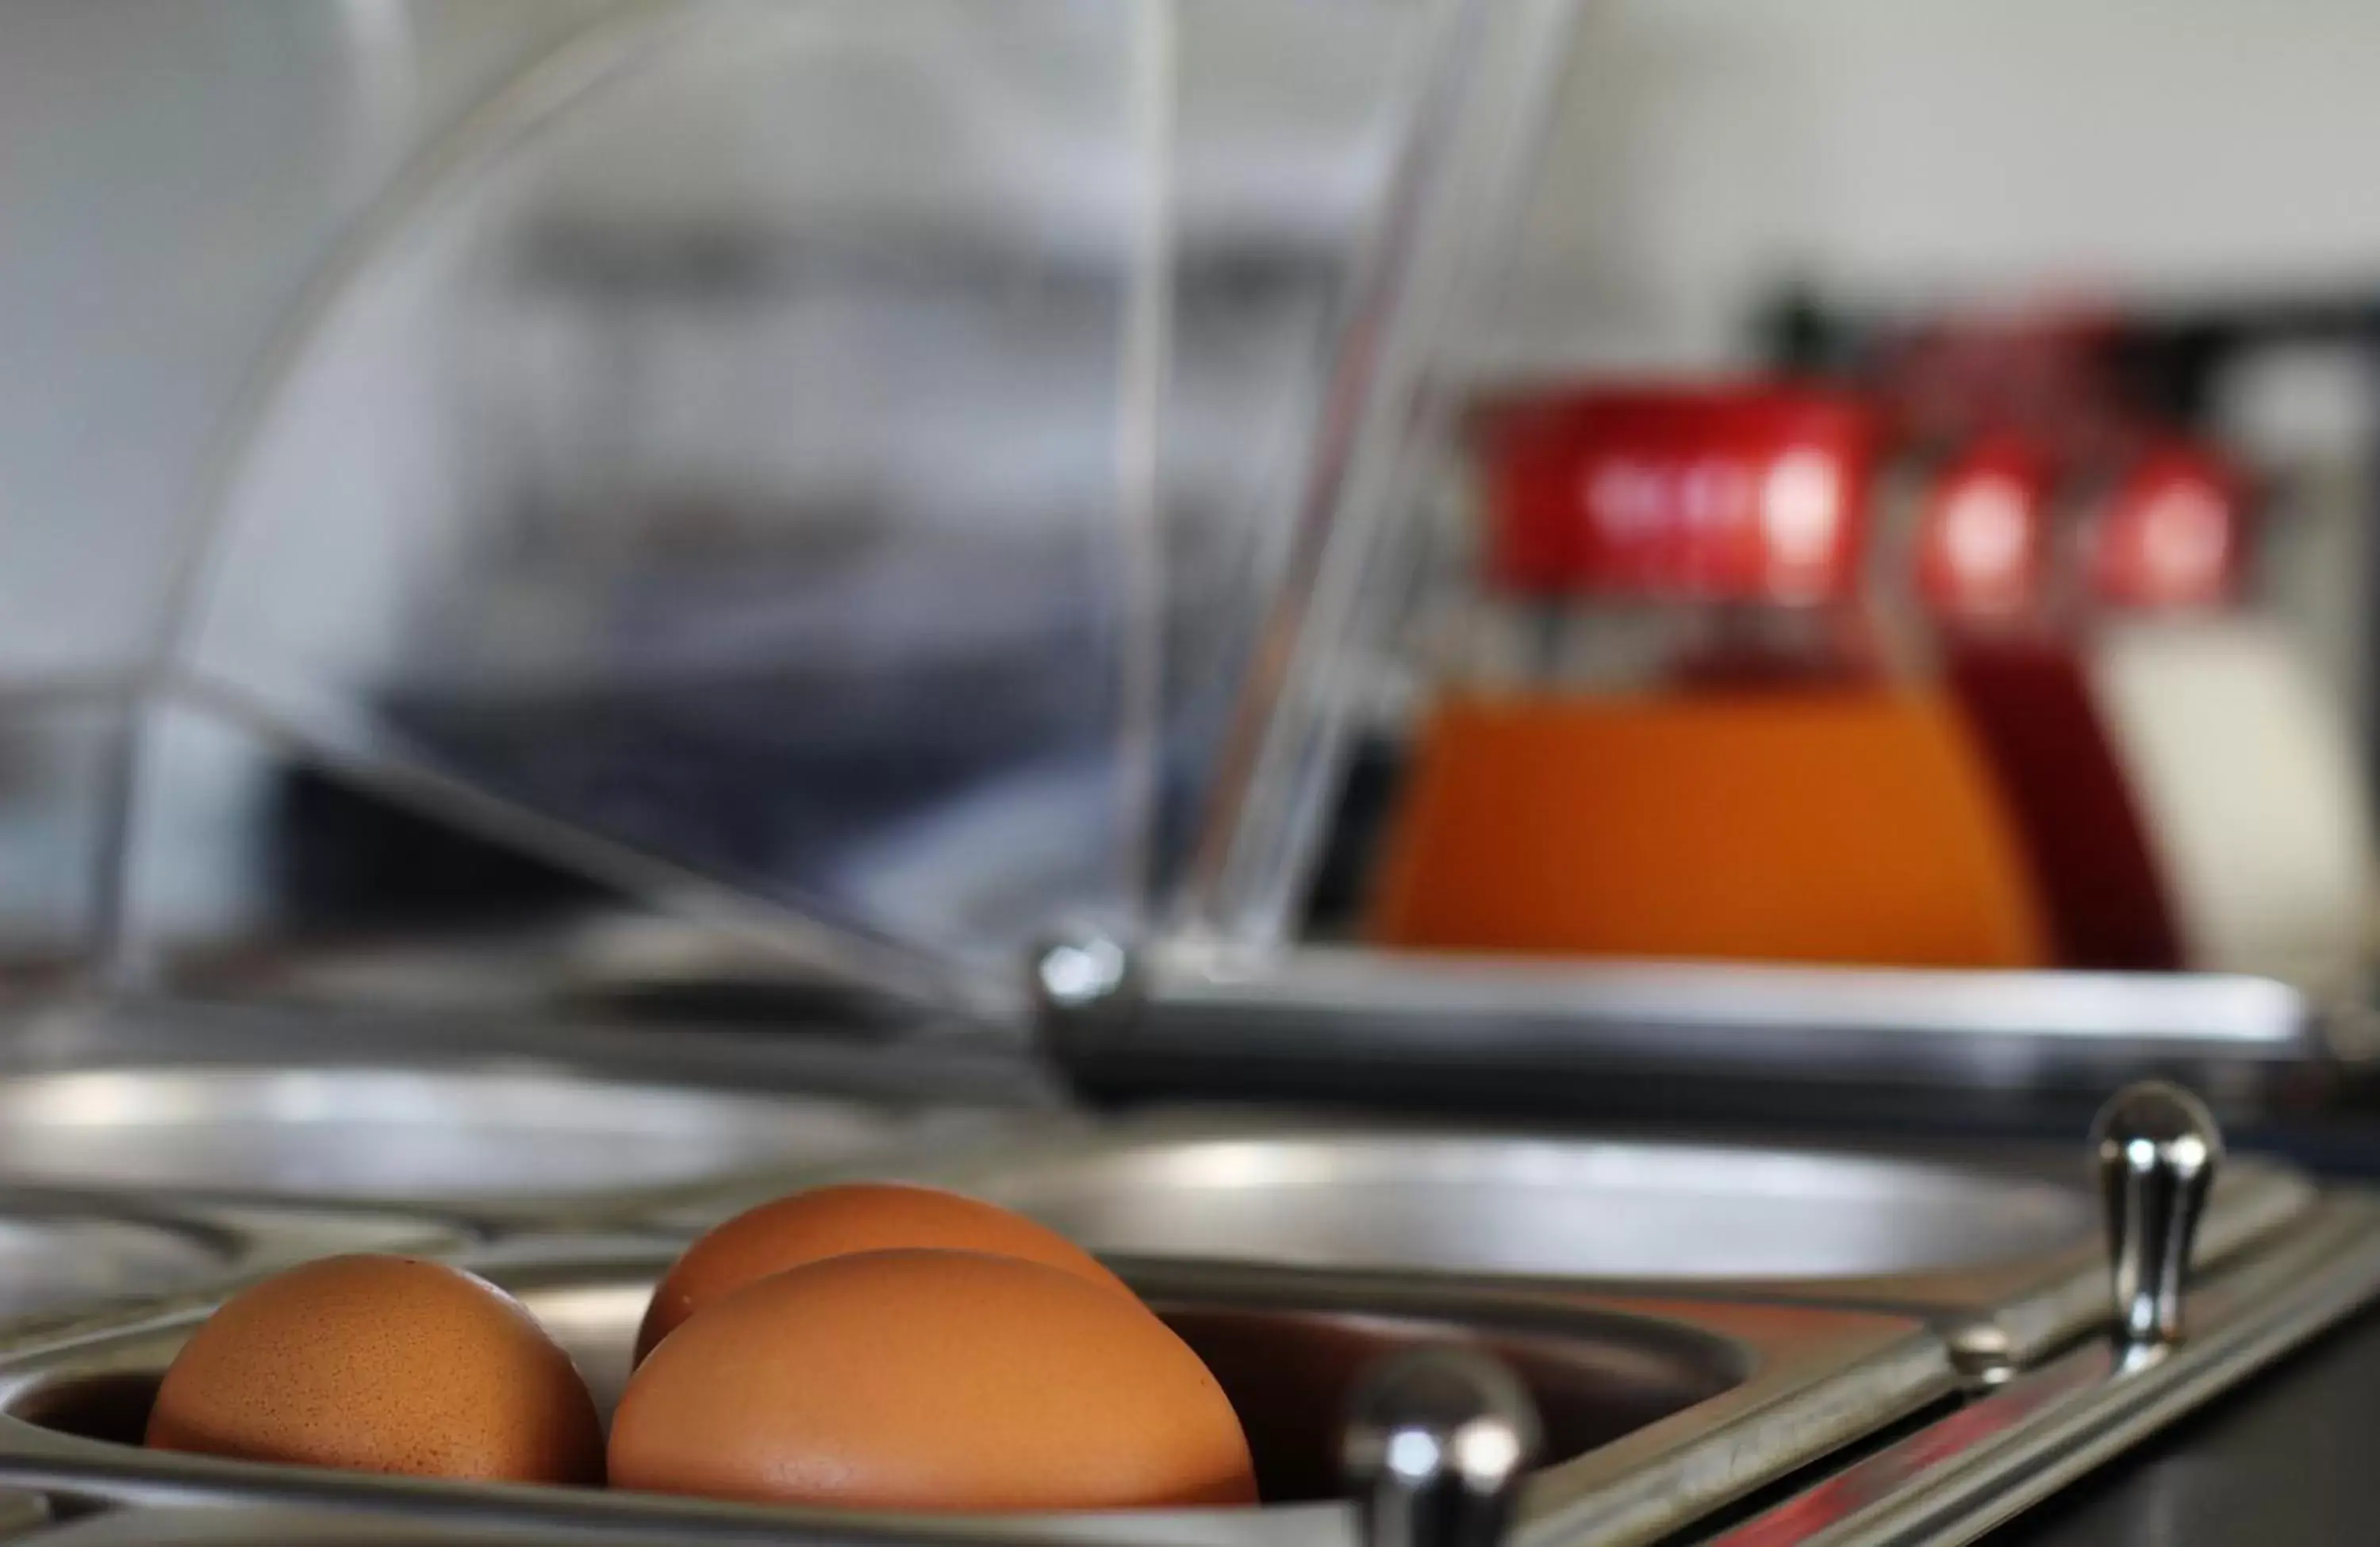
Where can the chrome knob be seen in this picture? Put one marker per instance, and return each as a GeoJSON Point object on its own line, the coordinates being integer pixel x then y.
{"type": "Point", "coordinates": [2157, 1147]}
{"type": "Point", "coordinates": [1438, 1443]}
{"type": "Point", "coordinates": [1077, 972]}
{"type": "Point", "coordinates": [1083, 992]}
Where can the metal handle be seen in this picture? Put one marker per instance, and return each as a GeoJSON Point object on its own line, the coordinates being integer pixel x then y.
{"type": "Point", "coordinates": [1438, 1442]}
{"type": "Point", "coordinates": [1184, 1014]}
{"type": "Point", "coordinates": [2157, 1149]}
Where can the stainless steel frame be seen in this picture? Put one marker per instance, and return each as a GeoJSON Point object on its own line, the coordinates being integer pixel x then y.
{"type": "Point", "coordinates": [1950, 1482]}
{"type": "Point", "coordinates": [1660, 1409]}
{"type": "Point", "coordinates": [1959, 1477]}
{"type": "Point", "coordinates": [1766, 1389]}
{"type": "Point", "coordinates": [2003, 1248]}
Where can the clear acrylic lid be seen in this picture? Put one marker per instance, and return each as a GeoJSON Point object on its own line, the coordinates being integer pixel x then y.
{"type": "Point", "coordinates": [891, 476]}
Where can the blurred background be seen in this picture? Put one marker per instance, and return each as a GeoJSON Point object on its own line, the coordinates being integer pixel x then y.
{"type": "Point", "coordinates": [2076, 302]}
{"type": "Point", "coordinates": [749, 512]}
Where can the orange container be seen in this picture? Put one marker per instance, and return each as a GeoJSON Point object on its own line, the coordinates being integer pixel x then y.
{"type": "Point", "coordinates": [1856, 825]}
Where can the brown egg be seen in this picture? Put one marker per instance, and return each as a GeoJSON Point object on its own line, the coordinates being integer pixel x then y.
{"type": "Point", "coordinates": [381, 1364]}
{"type": "Point", "coordinates": [930, 1380]}
{"type": "Point", "coordinates": [836, 1221]}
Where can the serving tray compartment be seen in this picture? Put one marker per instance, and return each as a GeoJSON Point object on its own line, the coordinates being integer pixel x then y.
{"type": "Point", "coordinates": [1655, 1411]}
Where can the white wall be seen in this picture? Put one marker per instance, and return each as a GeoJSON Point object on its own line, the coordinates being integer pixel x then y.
{"type": "Point", "coordinates": [1927, 145]}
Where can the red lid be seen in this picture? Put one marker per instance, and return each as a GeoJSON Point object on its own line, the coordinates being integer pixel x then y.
{"type": "Point", "coordinates": [2170, 535]}
{"type": "Point", "coordinates": [1748, 492]}
{"type": "Point", "coordinates": [1982, 536]}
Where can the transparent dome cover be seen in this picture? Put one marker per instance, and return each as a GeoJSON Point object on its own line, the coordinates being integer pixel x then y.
{"type": "Point", "coordinates": [892, 476]}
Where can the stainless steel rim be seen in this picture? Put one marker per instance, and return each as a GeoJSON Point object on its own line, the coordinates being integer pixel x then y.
{"type": "Point", "coordinates": [509, 1145]}
{"type": "Point", "coordinates": [1813, 1379]}
{"type": "Point", "coordinates": [2019, 1303]}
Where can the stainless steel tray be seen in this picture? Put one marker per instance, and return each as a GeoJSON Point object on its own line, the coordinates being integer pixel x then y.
{"type": "Point", "coordinates": [67, 1256]}
{"type": "Point", "coordinates": [2003, 1248]}
{"type": "Point", "coordinates": [501, 1144]}
{"type": "Point", "coordinates": [1950, 1481]}
{"type": "Point", "coordinates": [267, 1526]}
{"type": "Point", "coordinates": [1656, 1411]}
{"type": "Point", "coordinates": [238, 1527]}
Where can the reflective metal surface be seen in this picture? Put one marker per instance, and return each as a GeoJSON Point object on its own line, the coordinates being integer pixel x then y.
{"type": "Point", "coordinates": [1553, 1207]}
{"type": "Point", "coordinates": [462, 1139]}
{"type": "Point", "coordinates": [1653, 1411]}
{"type": "Point", "coordinates": [2158, 1152]}
{"type": "Point", "coordinates": [1438, 1441]}
{"type": "Point", "coordinates": [21, 1512]}
{"type": "Point", "coordinates": [2010, 1241]}
{"type": "Point", "coordinates": [55, 1263]}
{"type": "Point", "coordinates": [323, 1527]}
{"type": "Point", "coordinates": [1192, 1014]}
{"type": "Point", "coordinates": [266, 1525]}
{"type": "Point", "coordinates": [1956, 1479]}
{"type": "Point", "coordinates": [66, 1257]}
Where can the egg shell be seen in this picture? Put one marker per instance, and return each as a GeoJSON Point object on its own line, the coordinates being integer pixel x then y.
{"type": "Point", "coordinates": [836, 1221]}
{"type": "Point", "coordinates": [930, 1380]}
{"type": "Point", "coordinates": [381, 1364]}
